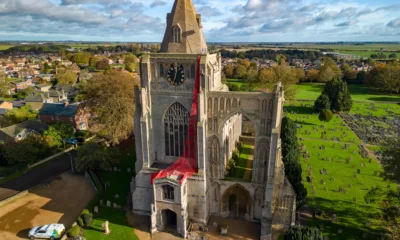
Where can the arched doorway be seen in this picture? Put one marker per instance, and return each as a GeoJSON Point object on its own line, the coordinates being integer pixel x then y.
{"type": "Point", "coordinates": [169, 220]}
{"type": "Point", "coordinates": [237, 202]}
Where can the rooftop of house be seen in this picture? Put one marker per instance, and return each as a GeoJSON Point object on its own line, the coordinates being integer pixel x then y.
{"type": "Point", "coordinates": [43, 85]}
{"type": "Point", "coordinates": [52, 109]}
{"type": "Point", "coordinates": [39, 97]}
{"type": "Point", "coordinates": [14, 130]}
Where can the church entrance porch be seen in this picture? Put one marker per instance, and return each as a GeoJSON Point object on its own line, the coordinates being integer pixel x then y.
{"type": "Point", "coordinates": [237, 203]}
{"type": "Point", "coordinates": [169, 220]}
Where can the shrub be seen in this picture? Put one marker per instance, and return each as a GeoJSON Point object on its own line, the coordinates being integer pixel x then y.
{"type": "Point", "coordinates": [88, 219]}
{"type": "Point", "coordinates": [339, 95]}
{"type": "Point", "coordinates": [235, 155]}
{"type": "Point", "coordinates": [85, 219]}
{"type": "Point", "coordinates": [74, 231]}
{"type": "Point", "coordinates": [233, 87]}
{"type": "Point", "coordinates": [230, 166]}
{"type": "Point", "coordinates": [239, 146]}
{"type": "Point", "coordinates": [322, 102]}
{"type": "Point", "coordinates": [325, 115]}
{"type": "Point", "coordinates": [303, 233]}
{"type": "Point", "coordinates": [80, 221]}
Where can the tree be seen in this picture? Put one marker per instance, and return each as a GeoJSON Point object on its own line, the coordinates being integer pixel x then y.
{"type": "Point", "coordinates": [240, 71]}
{"type": "Point", "coordinates": [27, 151]}
{"type": "Point", "coordinates": [303, 233]}
{"type": "Point", "coordinates": [19, 115]}
{"type": "Point", "coordinates": [291, 159]}
{"type": "Point", "coordinates": [228, 70]}
{"type": "Point", "coordinates": [329, 70]}
{"type": "Point", "coordinates": [131, 63]}
{"type": "Point", "coordinates": [67, 77]}
{"type": "Point", "coordinates": [82, 58]}
{"type": "Point", "coordinates": [103, 64]}
{"type": "Point", "coordinates": [113, 106]}
{"type": "Point", "coordinates": [325, 115]}
{"type": "Point", "coordinates": [385, 77]}
{"type": "Point", "coordinates": [339, 95]}
{"type": "Point", "coordinates": [268, 77]}
{"type": "Point", "coordinates": [393, 55]}
{"type": "Point", "coordinates": [251, 78]}
{"type": "Point", "coordinates": [349, 73]}
{"type": "Point", "coordinates": [322, 102]}
{"type": "Point", "coordinates": [94, 60]}
{"type": "Point", "coordinates": [93, 156]}
{"type": "Point", "coordinates": [57, 133]}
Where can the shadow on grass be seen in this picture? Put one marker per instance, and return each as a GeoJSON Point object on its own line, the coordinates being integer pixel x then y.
{"type": "Point", "coordinates": [299, 109]}
{"type": "Point", "coordinates": [305, 123]}
{"type": "Point", "coordinates": [385, 99]}
{"type": "Point", "coordinates": [352, 219]}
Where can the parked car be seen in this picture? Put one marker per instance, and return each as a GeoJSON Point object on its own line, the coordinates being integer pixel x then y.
{"type": "Point", "coordinates": [71, 141]}
{"type": "Point", "coordinates": [51, 231]}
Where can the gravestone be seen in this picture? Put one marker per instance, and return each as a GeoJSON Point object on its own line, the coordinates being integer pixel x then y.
{"type": "Point", "coordinates": [358, 171]}
{"type": "Point", "coordinates": [114, 205]}
{"type": "Point", "coordinates": [96, 209]}
{"type": "Point", "coordinates": [108, 204]}
{"type": "Point", "coordinates": [101, 202]}
{"type": "Point", "coordinates": [370, 160]}
{"type": "Point", "coordinates": [129, 170]}
{"type": "Point", "coordinates": [115, 169]}
{"type": "Point", "coordinates": [355, 175]}
{"type": "Point", "coordinates": [322, 181]}
{"type": "Point", "coordinates": [106, 228]}
{"type": "Point", "coordinates": [334, 218]}
{"type": "Point", "coordinates": [116, 196]}
{"type": "Point", "coordinates": [354, 199]}
{"type": "Point", "coordinates": [350, 185]}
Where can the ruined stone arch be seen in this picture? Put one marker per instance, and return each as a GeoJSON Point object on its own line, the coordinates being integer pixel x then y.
{"type": "Point", "coordinates": [237, 201]}
{"type": "Point", "coordinates": [228, 115]}
{"type": "Point", "coordinates": [214, 158]}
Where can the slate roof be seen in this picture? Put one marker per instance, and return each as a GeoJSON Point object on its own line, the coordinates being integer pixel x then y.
{"type": "Point", "coordinates": [14, 130]}
{"type": "Point", "coordinates": [36, 98]}
{"type": "Point", "coordinates": [59, 110]}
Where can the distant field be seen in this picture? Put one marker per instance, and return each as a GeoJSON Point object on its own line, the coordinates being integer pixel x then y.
{"type": "Point", "coordinates": [365, 53]}
{"type": "Point", "coordinates": [5, 47]}
{"type": "Point", "coordinates": [88, 45]}
{"type": "Point", "coordinates": [311, 91]}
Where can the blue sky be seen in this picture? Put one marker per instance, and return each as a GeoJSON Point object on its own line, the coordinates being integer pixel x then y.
{"type": "Point", "coordinates": [223, 20]}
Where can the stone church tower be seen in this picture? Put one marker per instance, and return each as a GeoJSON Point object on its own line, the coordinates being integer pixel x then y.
{"type": "Point", "coordinates": [187, 126]}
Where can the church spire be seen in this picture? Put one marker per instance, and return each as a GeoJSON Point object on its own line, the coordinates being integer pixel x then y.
{"type": "Point", "coordinates": [184, 31]}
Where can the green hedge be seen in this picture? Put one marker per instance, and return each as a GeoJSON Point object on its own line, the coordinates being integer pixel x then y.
{"type": "Point", "coordinates": [96, 181]}
{"type": "Point", "coordinates": [74, 231]}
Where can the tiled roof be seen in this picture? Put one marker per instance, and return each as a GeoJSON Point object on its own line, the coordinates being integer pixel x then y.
{"type": "Point", "coordinates": [59, 110]}
{"type": "Point", "coordinates": [13, 130]}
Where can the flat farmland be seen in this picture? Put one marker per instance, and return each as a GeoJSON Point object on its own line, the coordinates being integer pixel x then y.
{"type": "Point", "coordinates": [5, 47]}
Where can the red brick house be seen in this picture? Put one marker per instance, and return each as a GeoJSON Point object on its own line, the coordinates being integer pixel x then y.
{"type": "Point", "coordinates": [71, 114]}
{"type": "Point", "coordinates": [19, 85]}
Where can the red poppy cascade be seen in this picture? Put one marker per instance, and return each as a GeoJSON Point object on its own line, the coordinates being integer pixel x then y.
{"type": "Point", "coordinates": [176, 76]}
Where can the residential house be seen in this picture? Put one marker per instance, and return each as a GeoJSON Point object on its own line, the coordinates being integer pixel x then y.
{"type": "Point", "coordinates": [58, 96]}
{"type": "Point", "coordinates": [4, 106]}
{"type": "Point", "coordinates": [66, 63]}
{"type": "Point", "coordinates": [70, 89]}
{"type": "Point", "coordinates": [21, 84]}
{"type": "Point", "coordinates": [20, 131]}
{"type": "Point", "coordinates": [46, 77]}
{"type": "Point", "coordinates": [72, 114]}
{"type": "Point", "coordinates": [18, 103]}
{"type": "Point", "coordinates": [54, 59]}
{"type": "Point", "coordinates": [37, 100]}
{"type": "Point", "coordinates": [43, 87]}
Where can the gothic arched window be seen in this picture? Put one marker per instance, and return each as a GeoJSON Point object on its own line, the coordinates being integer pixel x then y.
{"type": "Point", "coordinates": [168, 192]}
{"type": "Point", "coordinates": [176, 31]}
{"type": "Point", "coordinates": [162, 71]}
{"type": "Point", "coordinates": [176, 125]}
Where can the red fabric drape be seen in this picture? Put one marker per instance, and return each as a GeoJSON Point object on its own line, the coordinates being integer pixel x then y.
{"type": "Point", "coordinates": [186, 165]}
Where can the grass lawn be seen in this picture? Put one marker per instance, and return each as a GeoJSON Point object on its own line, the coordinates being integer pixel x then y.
{"type": "Point", "coordinates": [244, 164]}
{"type": "Point", "coordinates": [117, 183]}
{"type": "Point", "coordinates": [351, 209]}
{"type": "Point", "coordinates": [311, 91]}
{"type": "Point", "coordinates": [120, 229]}
{"type": "Point", "coordinates": [376, 109]}
{"type": "Point", "coordinates": [238, 82]}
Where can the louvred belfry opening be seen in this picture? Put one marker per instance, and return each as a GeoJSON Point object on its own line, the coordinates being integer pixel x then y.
{"type": "Point", "coordinates": [186, 165]}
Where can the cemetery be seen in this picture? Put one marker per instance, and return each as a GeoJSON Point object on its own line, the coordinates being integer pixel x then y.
{"type": "Point", "coordinates": [110, 204]}
{"type": "Point", "coordinates": [338, 172]}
